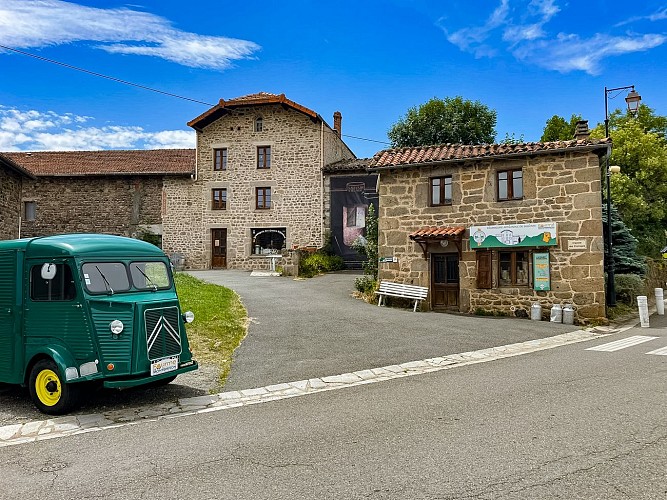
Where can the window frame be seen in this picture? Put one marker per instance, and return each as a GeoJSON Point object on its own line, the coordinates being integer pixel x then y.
{"type": "Point", "coordinates": [513, 268]}
{"type": "Point", "coordinates": [259, 124]}
{"type": "Point", "coordinates": [220, 204]}
{"type": "Point", "coordinates": [221, 154]}
{"type": "Point", "coordinates": [444, 201]}
{"type": "Point", "coordinates": [64, 280]}
{"type": "Point", "coordinates": [509, 184]}
{"type": "Point", "coordinates": [33, 212]}
{"type": "Point", "coordinates": [266, 204]}
{"type": "Point", "coordinates": [263, 157]}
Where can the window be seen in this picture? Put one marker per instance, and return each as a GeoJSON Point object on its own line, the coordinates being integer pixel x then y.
{"type": "Point", "coordinates": [513, 268]}
{"type": "Point", "coordinates": [29, 210]}
{"type": "Point", "coordinates": [441, 191]}
{"type": "Point", "coordinates": [219, 199]}
{"type": "Point", "coordinates": [263, 198]}
{"type": "Point", "coordinates": [220, 159]}
{"type": "Point", "coordinates": [267, 241]}
{"type": "Point", "coordinates": [259, 124]}
{"type": "Point", "coordinates": [484, 273]}
{"type": "Point", "coordinates": [263, 156]}
{"type": "Point", "coordinates": [60, 287]}
{"type": "Point", "coordinates": [105, 277]}
{"type": "Point", "coordinates": [149, 275]}
{"type": "Point", "coordinates": [510, 185]}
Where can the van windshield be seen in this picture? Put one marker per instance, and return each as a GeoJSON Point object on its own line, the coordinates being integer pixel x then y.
{"type": "Point", "coordinates": [149, 275]}
{"type": "Point", "coordinates": [105, 277]}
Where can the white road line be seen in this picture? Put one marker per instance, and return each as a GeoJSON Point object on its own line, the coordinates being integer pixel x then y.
{"type": "Point", "coordinates": [622, 344]}
{"type": "Point", "coordinates": [660, 352]}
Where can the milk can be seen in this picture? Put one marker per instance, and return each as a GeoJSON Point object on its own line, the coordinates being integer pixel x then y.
{"type": "Point", "coordinates": [556, 313]}
{"type": "Point", "coordinates": [536, 312]}
{"type": "Point", "coordinates": [568, 314]}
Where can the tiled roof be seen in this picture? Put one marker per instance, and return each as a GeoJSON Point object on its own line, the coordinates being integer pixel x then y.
{"type": "Point", "coordinates": [353, 165]}
{"type": "Point", "coordinates": [405, 157]}
{"type": "Point", "coordinates": [109, 162]}
{"type": "Point", "coordinates": [258, 99]}
{"type": "Point", "coordinates": [437, 233]}
{"type": "Point", "coordinates": [12, 165]}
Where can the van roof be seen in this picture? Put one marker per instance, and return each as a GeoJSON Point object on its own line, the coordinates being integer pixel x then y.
{"type": "Point", "coordinates": [70, 245]}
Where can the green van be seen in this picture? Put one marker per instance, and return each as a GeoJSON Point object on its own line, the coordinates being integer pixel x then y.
{"type": "Point", "coordinates": [81, 308]}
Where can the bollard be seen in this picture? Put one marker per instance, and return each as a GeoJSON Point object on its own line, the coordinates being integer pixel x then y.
{"type": "Point", "coordinates": [536, 312]}
{"type": "Point", "coordinates": [660, 301]}
{"type": "Point", "coordinates": [556, 313]}
{"type": "Point", "coordinates": [642, 303]}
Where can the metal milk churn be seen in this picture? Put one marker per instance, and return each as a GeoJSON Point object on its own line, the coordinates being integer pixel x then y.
{"type": "Point", "coordinates": [568, 314]}
{"type": "Point", "coordinates": [536, 312]}
{"type": "Point", "coordinates": [556, 313]}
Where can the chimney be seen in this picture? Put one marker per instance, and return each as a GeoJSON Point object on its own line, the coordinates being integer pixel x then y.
{"type": "Point", "coordinates": [338, 119]}
{"type": "Point", "coordinates": [581, 132]}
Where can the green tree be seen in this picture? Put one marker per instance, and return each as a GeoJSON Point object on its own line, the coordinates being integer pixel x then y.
{"type": "Point", "coordinates": [624, 248]}
{"type": "Point", "coordinates": [452, 120]}
{"type": "Point", "coordinates": [558, 129]}
{"type": "Point", "coordinates": [368, 245]}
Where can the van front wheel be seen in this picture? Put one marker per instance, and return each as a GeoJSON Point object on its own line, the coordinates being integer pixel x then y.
{"type": "Point", "coordinates": [49, 393]}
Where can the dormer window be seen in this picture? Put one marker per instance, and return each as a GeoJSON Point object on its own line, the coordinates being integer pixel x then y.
{"type": "Point", "coordinates": [259, 125]}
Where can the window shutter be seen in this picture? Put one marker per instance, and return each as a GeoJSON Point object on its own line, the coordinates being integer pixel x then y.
{"type": "Point", "coordinates": [484, 275]}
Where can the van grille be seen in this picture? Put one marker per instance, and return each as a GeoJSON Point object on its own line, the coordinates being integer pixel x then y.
{"type": "Point", "coordinates": [163, 336]}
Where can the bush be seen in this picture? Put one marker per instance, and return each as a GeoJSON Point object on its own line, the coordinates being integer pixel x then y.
{"type": "Point", "coordinates": [318, 263]}
{"type": "Point", "coordinates": [628, 287]}
{"type": "Point", "coordinates": [365, 284]}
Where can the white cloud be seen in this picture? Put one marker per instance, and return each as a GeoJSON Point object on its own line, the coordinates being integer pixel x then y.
{"type": "Point", "coordinates": [40, 23]}
{"type": "Point", "coordinates": [521, 29]}
{"type": "Point", "coordinates": [48, 131]}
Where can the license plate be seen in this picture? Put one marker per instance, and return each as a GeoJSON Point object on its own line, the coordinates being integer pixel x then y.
{"type": "Point", "coordinates": [164, 365]}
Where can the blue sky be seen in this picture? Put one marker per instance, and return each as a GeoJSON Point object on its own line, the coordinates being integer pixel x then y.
{"type": "Point", "coordinates": [370, 60]}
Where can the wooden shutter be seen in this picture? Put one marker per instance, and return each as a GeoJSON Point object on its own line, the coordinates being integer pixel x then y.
{"type": "Point", "coordinates": [484, 274]}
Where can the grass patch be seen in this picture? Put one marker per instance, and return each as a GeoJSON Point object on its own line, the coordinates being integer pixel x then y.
{"type": "Point", "coordinates": [221, 321]}
{"type": "Point", "coordinates": [621, 311]}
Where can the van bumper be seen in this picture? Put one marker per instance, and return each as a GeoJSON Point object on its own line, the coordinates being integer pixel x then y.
{"type": "Point", "coordinates": [136, 381]}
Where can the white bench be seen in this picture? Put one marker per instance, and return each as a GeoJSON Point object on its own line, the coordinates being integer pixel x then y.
{"type": "Point", "coordinates": [412, 292]}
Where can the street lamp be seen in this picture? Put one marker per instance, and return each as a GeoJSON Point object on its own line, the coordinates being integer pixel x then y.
{"type": "Point", "coordinates": [632, 100]}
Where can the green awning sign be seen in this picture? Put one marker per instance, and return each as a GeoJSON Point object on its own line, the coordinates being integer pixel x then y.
{"type": "Point", "coordinates": [513, 235]}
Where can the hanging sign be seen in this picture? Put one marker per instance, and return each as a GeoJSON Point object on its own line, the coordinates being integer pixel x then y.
{"type": "Point", "coordinates": [513, 235]}
{"type": "Point", "coordinates": [541, 272]}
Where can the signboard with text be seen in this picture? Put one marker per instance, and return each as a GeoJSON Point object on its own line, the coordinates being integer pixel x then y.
{"type": "Point", "coordinates": [513, 235]}
{"type": "Point", "coordinates": [541, 272]}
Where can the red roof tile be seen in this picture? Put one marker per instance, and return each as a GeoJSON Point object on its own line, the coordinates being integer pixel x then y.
{"type": "Point", "coordinates": [258, 99]}
{"type": "Point", "coordinates": [437, 233]}
{"type": "Point", "coordinates": [109, 162]}
{"type": "Point", "coordinates": [405, 157]}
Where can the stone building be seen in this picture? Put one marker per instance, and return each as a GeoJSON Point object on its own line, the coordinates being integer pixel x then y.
{"type": "Point", "coordinates": [258, 190]}
{"type": "Point", "coordinates": [495, 228]}
{"type": "Point", "coordinates": [115, 192]}
{"type": "Point", "coordinates": [12, 177]}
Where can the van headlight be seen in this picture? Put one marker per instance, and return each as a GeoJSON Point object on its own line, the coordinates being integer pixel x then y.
{"type": "Point", "coordinates": [116, 327]}
{"type": "Point", "coordinates": [188, 316]}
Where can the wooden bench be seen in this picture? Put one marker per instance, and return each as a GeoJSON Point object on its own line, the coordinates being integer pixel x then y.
{"type": "Point", "coordinates": [412, 292]}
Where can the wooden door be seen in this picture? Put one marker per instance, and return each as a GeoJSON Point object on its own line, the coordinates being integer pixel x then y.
{"type": "Point", "coordinates": [445, 281]}
{"type": "Point", "coordinates": [218, 248]}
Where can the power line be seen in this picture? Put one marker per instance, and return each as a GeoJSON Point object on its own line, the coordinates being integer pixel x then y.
{"type": "Point", "coordinates": [144, 87]}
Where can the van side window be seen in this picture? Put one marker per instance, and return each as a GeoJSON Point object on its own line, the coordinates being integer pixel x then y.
{"type": "Point", "coordinates": [61, 287]}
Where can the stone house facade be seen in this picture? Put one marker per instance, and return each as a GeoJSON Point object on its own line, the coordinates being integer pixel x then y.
{"type": "Point", "coordinates": [258, 190]}
{"type": "Point", "coordinates": [12, 177]}
{"type": "Point", "coordinates": [495, 228]}
{"type": "Point", "coordinates": [114, 192]}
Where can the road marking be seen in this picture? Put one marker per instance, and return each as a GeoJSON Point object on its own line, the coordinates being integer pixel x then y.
{"type": "Point", "coordinates": [622, 344]}
{"type": "Point", "coordinates": [659, 352]}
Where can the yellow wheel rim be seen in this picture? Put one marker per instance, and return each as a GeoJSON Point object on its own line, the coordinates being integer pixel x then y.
{"type": "Point", "coordinates": [47, 386]}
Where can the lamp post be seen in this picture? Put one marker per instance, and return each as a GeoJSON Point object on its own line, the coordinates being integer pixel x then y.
{"type": "Point", "coordinates": [632, 100]}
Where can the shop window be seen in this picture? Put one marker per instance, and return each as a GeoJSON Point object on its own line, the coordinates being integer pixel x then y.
{"type": "Point", "coordinates": [510, 185]}
{"type": "Point", "coordinates": [218, 199]}
{"type": "Point", "coordinates": [513, 268]}
{"type": "Point", "coordinates": [60, 287]}
{"type": "Point", "coordinates": [220, 159]}
{"type": "Point", "coordinates": [441, 191]}
{"type": "Point", "coordinates": [484, 269]}
{"type": "Point", "coordinates": [263, 156]}
{"type": "Point", "coordinates": [263, 198]}
{"type": "Point", "coordinates": [268, 241]}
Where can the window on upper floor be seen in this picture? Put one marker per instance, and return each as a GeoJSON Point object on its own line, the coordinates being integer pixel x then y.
{"type": "Point", "coordinates": [219, 199]}
{"type": "Point", "coordinates": [220, 159]}
{"type": "Point", "coordinates": [263, 198]}
{"type": "Point", "coordinates": [513, 268]}
{"type": "Point", "coordinates": [259, 124]}
{"type": "Point", "coordinates": [263, 156]}
{"type": "Point", "coordinates": [441, 191]}
{"type": "Point", "coordinates": [29, 210]}
{"type": "Point", "coordinates": [510, 185]}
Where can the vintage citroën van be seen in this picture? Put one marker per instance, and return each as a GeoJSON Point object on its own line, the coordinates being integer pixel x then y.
{"type": "Point", "coordinates": [88, 307]}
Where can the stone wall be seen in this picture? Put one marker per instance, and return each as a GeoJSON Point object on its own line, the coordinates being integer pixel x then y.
{"type": "Point", "coordinates": [10, 203]}
{"type": "Point", "coordinates": [120, 205]}
{"type": "Point", "coordinates": [561, 188]}
{"type": "Point", "coordinates": [294, 177]}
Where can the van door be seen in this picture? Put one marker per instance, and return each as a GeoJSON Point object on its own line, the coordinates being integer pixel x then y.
{"type": "Point", "coordinates": [9, 314]}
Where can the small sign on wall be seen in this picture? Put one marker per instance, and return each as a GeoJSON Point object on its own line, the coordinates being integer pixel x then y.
{"type": "Point", "coordinates": [388, 259]}
{"type": "Point", "coordinates": [577, 245]}
{"type": "Point", "coordinates": [541, 272]}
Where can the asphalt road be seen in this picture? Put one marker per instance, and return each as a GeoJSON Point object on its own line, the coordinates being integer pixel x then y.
{"type": "Point", "coordinates": [563, 423]}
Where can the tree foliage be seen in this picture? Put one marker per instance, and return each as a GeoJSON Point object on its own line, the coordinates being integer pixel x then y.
{"type": "Point", "coordinates": [558, 129]}
{"type": "Point", "coordinates": [624, 245]}
{"type": "Point", "coordinates": [368, 245]}
{"type": "Point", "coordinates": [452, 120]}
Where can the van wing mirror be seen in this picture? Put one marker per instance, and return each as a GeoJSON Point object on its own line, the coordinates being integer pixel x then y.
{"type": "Point", "coordinates": [48, 271]}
